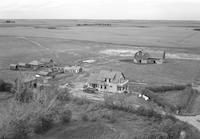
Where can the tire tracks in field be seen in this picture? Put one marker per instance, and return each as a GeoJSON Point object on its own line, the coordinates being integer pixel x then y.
{"type": "Point", "coordinates": [39, 45]}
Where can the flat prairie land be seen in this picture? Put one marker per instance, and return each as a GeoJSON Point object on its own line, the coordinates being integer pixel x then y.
{"type": "Point", "coordinates": [68, 43]}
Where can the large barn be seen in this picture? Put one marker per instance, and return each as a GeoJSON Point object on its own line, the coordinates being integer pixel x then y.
{"type": "Point", "coordinates": [142, 57]}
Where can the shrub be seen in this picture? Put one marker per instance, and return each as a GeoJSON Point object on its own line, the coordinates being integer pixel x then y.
{"type": "Point", "coordinates": [66, 116]}
{"type": "Point", "coordinates": [43, 123]}
{"type": "Point", "coordinates": [165, 88]}
{"type": "Point", "coordinates": [24, 96]}
{"type": "Point", "coordinates": [81, 101]}
{"type": "Point", "coordinates": [16, 129]}
{"type": "Point", "coordinates": [109, 116]}
{"type": "Point", "coordinates": [84, 117]}
{"type": "Point", "coordinates": [6, 86]}
{"type": "Point", "coordinates": [64, 96]}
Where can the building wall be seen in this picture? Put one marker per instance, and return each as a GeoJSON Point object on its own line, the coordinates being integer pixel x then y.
{"type": "Point", "coordinates": [110, 87]}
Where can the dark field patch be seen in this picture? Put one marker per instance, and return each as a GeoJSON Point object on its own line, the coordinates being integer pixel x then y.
{"type": "Point", "coordinates": [126, 60]}
{"type": "Point", "coordinates": [196, 29]}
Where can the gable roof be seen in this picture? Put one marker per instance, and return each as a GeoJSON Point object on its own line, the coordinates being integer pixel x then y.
{"type": "Point", "coordinates": [148, 55]}
{"type": "Point", "coordinates": [108, 74]}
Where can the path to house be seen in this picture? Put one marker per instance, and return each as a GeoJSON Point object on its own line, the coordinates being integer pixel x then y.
{"type": "Point", "coordinates": [193, 120]}
{"type": "Point", "coordinates": [78, 92]}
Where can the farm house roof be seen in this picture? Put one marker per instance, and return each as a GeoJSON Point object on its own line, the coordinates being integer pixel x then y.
{"type": "Point", "coordinates": [108, 74]}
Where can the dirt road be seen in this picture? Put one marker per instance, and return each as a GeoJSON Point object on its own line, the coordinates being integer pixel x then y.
{"type": "Point", "coordinates": [193, 120]}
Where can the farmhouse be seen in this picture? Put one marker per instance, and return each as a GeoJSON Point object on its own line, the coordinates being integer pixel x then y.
{"type": "Point", "coordinates": [108, 81]}
{"type": "Point", "coordinates": [142, 57]}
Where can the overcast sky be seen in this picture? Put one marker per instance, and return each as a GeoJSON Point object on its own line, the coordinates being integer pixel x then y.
{"type": "Point", "coordinates": [101, 9]}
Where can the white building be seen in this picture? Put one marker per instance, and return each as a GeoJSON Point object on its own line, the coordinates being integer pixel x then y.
{"type": "Point", "coordinates": [108, 81]}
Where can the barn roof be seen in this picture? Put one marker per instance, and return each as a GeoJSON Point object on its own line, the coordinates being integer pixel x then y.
{"type": "Point", "coordinates": [148, 55]}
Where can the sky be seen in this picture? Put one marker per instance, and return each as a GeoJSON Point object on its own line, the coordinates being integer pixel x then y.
{"type": "Point", "coordinates": [101, 9]}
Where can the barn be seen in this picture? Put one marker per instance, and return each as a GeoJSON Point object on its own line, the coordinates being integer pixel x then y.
{"type": "Point", "coordinates": [142, 57]}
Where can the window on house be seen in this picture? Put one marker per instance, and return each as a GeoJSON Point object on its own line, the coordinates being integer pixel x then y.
{"type": "Point", "coordinates": [101, 86]}
{"type": "Point", "coordinates": [105, 87]}
{"type": "Point", "coordinates": [94, 85]}
{"type": "Point", "coordinates": [109, 80]}
{"type": "Point", "coordinates": [105, 79]}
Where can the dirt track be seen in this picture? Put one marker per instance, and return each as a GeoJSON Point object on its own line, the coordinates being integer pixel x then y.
{"type": "Point", "coordinates": [193, 120]}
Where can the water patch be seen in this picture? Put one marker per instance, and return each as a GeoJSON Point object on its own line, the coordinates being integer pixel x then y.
{"type": "Point", "coordinates": [131, 52]}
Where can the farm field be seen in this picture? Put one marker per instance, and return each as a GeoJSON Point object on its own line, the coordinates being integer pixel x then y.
{"type": "Point", "coordinates": [109, 46]}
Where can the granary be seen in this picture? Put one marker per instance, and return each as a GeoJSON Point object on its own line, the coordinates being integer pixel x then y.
{"type": "Point", "coordinates": [13, 66]}
{"type": "Point", "coordinates": [108, 81]}
{"type": "Point", "coordinates": [47, 62]}
{"type": "Point", "coordinates": [142, 57]}
{"type": "Point", "coordinates": [34, 64]}
{"type": "Point", "coordinates": [73, 69]}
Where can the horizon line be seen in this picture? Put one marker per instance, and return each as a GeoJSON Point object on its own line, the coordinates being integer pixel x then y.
{"type": "Point", "coordinates": [96, 19]}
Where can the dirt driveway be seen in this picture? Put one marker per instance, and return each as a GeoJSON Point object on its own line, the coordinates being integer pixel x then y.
{"type": "Point", "coordinates": [193, 120]}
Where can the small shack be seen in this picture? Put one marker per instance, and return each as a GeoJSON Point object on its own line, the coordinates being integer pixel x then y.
{"type": "Point", "coordinates": [21, 66]}
{"type": "Point", "coordinates": [73, 69]}
{"type": "Point", "coordinates": [142, 57]}
{"type": "Point", "coordinates": [13, 66]}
